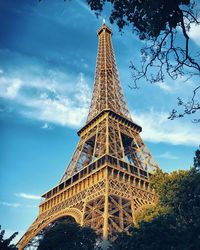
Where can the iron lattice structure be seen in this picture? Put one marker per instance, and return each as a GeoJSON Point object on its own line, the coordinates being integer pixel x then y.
{"type": "Point", "coordinates": [107, 179]}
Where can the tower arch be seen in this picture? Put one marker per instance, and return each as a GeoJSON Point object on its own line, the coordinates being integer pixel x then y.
{"type": "Point", "coordinates": [42, 224]}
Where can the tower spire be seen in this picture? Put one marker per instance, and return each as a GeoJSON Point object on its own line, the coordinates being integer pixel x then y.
{"type": "Point", "coordinates": [107, 93]}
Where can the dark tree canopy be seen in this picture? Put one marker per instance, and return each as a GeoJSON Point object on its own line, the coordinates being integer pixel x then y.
{"type": "Point", "coordinates": [149, 17]}
{"type": "Point", "coordinates": [197, 159]}
{"type": "Point", "coordinates": [159, 234]}
{"type": "Point", "coordinates": [5, 244]}
{"type": "Point", "coordinates": [65, 234]}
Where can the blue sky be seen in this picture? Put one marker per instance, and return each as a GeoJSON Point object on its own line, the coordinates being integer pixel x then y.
{"type": "Point", "coordinates": [47, 61]}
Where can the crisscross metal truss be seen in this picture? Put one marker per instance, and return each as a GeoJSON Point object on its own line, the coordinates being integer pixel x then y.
{"type": "Point", "coordinates": [106, 202]}
{"type": "Point", "coordinates": [107, 179]}
{"type": "Point", "coordinates": [107, 93]}
{"type": "Point", "coordinates": [110, 135]}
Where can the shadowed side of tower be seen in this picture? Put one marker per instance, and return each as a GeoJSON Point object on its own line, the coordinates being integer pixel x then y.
{"type": "Point", "coordinates": [107, 179]}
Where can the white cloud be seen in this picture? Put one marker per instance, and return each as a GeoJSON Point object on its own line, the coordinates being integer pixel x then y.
{"type": "Point", "coordinates": [62, 110]}
{"type": "Point", "coordinates": [157, 128]}
{"type": "Point", "coordinates": [67, 110]}
{"type": "Point", "coordinates": [51, 101]}
{"type": "Point", "coordinates": [9, 87]}
{"type": "Point", "coordinates": [182, 85]}
{"type": "Point", "coordinates": [28, 196]}
{"type": "Point", "coordinates": [31, 206]}
{"type": "Point", "coordinates": [164, 86]}
{"type": "Point", "coordinates": [16, 204]}
{"type": "Point", "coordinates": [8, 204]}
{"type": "Point", "coordinates": [168, 155]}
{"type": "Point", "coordinates": [12, 90]}
{"type": "Point", "coordinates": [194, 33]}
{"type": "Point", "coordinates": [47, 126]}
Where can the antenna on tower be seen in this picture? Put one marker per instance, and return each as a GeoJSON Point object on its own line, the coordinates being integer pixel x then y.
{"type": "Point", "coordinates": [104, 20]}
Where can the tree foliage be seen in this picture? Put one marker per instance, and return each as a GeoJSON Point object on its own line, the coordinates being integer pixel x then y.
{"type": "Point", "coordinates": [160, 233]}
{"type": "Point", "coordinates": [197, 159]}
{"type": "Point", "coordinates": [174, 222]}
{"type": "Point", "coordinates": [5, 244]}
{"type": "Point", "coordinates": [65, 234]}
{"type": "Point", "coordinates": [149, 212]}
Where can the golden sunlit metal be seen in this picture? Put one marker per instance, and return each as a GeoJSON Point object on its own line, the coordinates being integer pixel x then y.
{"type": "Point", "coordinates": [107, 179]}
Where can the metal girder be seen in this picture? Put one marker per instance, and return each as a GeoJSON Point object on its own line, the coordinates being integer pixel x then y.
{"type": "Point", "coordinates": [107, 179]}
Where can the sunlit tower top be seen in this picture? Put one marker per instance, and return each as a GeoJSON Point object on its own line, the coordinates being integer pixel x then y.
{"type": "Point", "coordinates": [107, 93]}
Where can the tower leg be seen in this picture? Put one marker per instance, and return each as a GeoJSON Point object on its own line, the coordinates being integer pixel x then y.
{"type": "Point", "coordinates": [105, 224]}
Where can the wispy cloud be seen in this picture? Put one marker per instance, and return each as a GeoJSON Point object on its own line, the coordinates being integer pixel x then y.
{"type": "Point", "coordinates": [28, 196]}
{"type": "Point", "coordinates": [8, 204]}
{"type": "Point", "coordinates": [17, 204]}
{"type": "Point", "coordinates": [157, 128]}
{"type": "Point", "coordinates": [168, 155]}
{"type": "Point", "coordinates": [180, 86]}
{"type": "Point", "coordinates": [9, 87]}
{"type": "Point", "coordinates": [50, 101]}
{"type": "Point", "coordinates": [47, 126]}
{"type": "Point", "coordinates": [59, 109]}
{"type": "Point", "coordinates": [164, 86]}
{"type": "Point", "coordinates": [194, 33]}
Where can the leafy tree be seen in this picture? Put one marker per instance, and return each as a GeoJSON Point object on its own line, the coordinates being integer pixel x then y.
{"type": "Point", "coordinates": [65, 234]}
{"type": "Point", "coordinates": [166, 186]}
{"type": "Point", "coordinates": [149, 212]}
{"type": "Point", "coordinates": [160, 233]}
{"type": "Point", "coordinates": [121, 241]}
{"type": "Point", "coordinates": [197, 159]}
{"type": "Point", "coordinates": [5, 244]}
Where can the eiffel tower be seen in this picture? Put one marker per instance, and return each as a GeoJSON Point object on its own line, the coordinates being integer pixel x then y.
{"type": "Point", "coordinates": [107, 179]}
